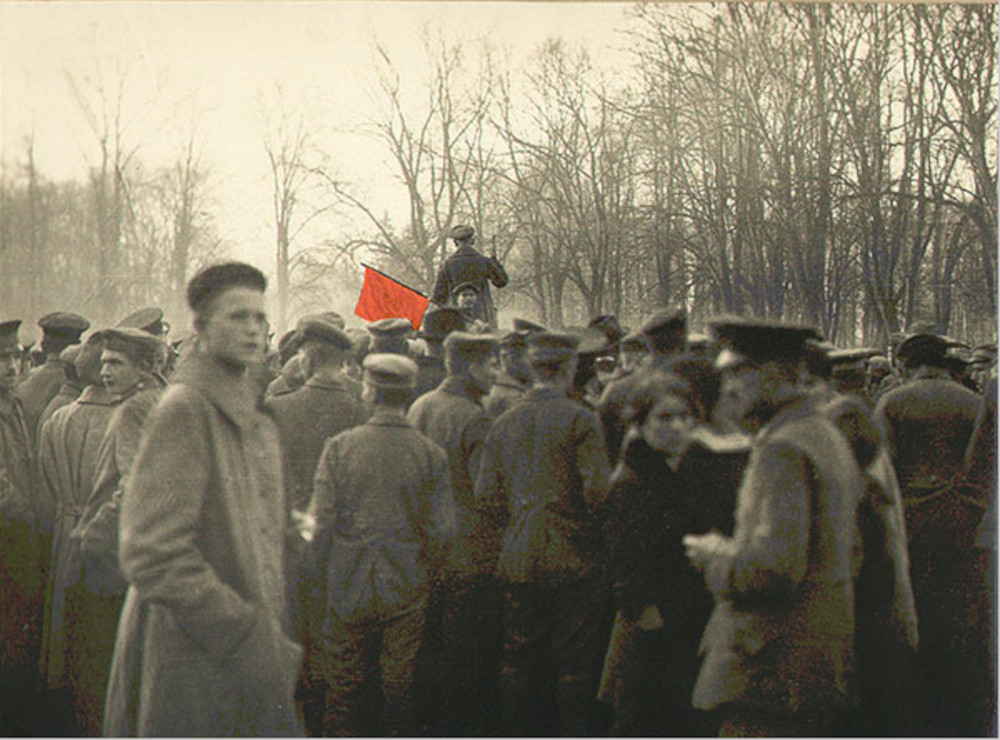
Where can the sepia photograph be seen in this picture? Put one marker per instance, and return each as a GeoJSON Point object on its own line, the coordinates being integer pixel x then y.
{"type": "Point", "coordinates": [472, 368]}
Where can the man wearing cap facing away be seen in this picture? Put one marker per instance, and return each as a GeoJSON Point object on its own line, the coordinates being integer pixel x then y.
{"type": "Point", "coordinates": [438, 323]}
{"type": "Point", "coordinates": [384, 517]}
{"type": "Point", "coordinates": [543, 476]}
{"type": "Point", "coordinates": [778, 647]}
{"type": "Point", "coordinates": [929, 421]}
{"type": "Point", "coordinates": [465, 605]}
{"type": "Point", "coordinates": [466, 265]}
{"type": "Point", "coordinates": [22, 563]}
{"type": "Point", "coordinates": [59, 330]}
{"type": "Point", "coordinates": [514, 378]}
{"type": "Point", "coordinates": [201, 648]}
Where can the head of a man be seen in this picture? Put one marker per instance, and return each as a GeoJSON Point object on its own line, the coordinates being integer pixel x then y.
{"type": "Point", "coordinates": [552, 357]}
{"type": "Point", "coordinates": [471, 357]}
{"type": "Point", "coordinates": [390, 380]}
{"type": "Point", "coordinates": [10, 355]}
{"type": "Point", "coordinates": [466, 298]}
{"type": "Point", "coordinates": [230, 314]}
{"type": "Point", "coordinates": [128, 358]}
{"type": "Point", "coordinates": [60, 329]}
{"type": "Point", "coordinates": [325, 345]}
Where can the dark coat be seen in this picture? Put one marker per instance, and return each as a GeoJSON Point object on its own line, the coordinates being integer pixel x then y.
{"type": "Point", "coordinates": [545, 474]}
{"type": "Point", "coordinates": [780, 638]}
{"type": "Point", "coordinates": [503, 394]}
{"type": "Point", "coordinates": [200, 648]}
{"type": "Point", "coordinates": [40, 387]}
{"type": "Point", "coordinates": [68, 393]}
{"type": "Point", "coordinates": [466, 265]}
{"type": "Point", "coordinates": [384, 512]}
{"type": "Point", "coordinates": [451, 417]}
{"type": "Point", "coordinates": [430, 374]}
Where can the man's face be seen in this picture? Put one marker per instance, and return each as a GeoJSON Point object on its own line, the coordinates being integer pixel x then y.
{"type": "Point", "coordinates": [234, 329]}
{"type": "Point", "coordinates": [466, 300]}
{"type": "Point", "coordinates": [483, 373]}
{"type": "Point", "coordinates": [118, 372]}
{"type": "Point", "coordinates": [10, 366]}
{"type": "Point", "coordinates": [748, 387]}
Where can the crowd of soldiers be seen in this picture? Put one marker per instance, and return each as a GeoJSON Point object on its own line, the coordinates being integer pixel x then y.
{"type": "Point", "coordinates": [464, 531]}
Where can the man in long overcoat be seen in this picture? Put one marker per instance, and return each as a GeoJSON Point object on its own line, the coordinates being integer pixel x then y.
{"type": "Point", "coordinates": [465, 605]}
{"type": "Point", "coordinates": [929, 422]}
{"type": "Point", "coordinates": [779, 644]}
{"type": "Point", "coordinates": [466, 265]}
{"type": "Point", "coordinates": [202, 649]}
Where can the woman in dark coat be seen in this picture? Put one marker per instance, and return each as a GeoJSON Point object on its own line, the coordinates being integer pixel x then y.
{"type": "Point", "coordinates": [668, 483]}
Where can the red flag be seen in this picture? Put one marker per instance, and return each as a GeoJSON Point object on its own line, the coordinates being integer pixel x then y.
{"type": "Point", "coordinates": [384, 298]}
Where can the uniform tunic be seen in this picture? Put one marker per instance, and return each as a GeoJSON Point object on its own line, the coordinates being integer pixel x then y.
{"type": "Point", "coordinates": [200, 649]}
{"type": "Point", "coordinates": [780, 639]}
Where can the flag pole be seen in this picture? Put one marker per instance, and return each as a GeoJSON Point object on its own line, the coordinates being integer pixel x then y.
{"type": "Point", "coordinates": [375, 269]}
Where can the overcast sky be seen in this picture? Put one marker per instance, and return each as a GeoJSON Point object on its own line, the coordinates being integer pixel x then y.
{"type": "Point", "coordinates": [213, 61]}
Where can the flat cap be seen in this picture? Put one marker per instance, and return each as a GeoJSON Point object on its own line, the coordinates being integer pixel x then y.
{"type": "Point", "coordinates": [547, 346]}
{"type": "Point", "coordinates": [63, 324]}
{"type": "Point", "coordinates": [333, 317]}
{"type": "Point", "coordinates": [135, 343]}
{"type": "Point", "coordinates": [460, 344]}
{"type": "Point", "coordinates": [148, 319]}
{"type": "Point", "coordinates": [9, 341]}
{"type": "Point", "coordinates": [390, 371]}
{"type": "Point", "coordinates": [666, 330]}
{"type": "Point", "coordinates": [462, 231]}
{"type": "Point", "coordinates": [215, 279]}
{"type": "Point", "coordinates": [759, 339]}
{"type": "Point", "coordinates": [319, 329]}
{"type": "Point", "coordinates": [523, 325]}
{"type": "Point", "coordinates": [467, 285]}
{"type": "Point", "coordinates": [854, 356]}
{"type": "Point", "coordinates": [390, 328]}
{"type": "Point", "coordinates": [440, 321]}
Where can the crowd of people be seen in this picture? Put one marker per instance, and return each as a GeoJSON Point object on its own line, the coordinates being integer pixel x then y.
{"type": "Point", "coordinates": [466, 531]}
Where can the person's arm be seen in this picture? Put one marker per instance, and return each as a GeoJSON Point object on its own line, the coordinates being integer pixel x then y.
{"type": "Point", "coordinates": [442, 287]}
{"type": "Point", "coordinates": [162, 521]}
{"type": "Point", "coordinates": [592, 460]}
{"type": "Point", "coordinates": [495, 272]}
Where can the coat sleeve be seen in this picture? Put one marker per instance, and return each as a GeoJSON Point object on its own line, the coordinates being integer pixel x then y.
{"type": "Point", "coordinates": [442, 287]}
{"type": "Point", "coordinates": [495, 272]}
{"type": "Point", "coordinates": [161, 521]}
{"type": "Point", "coordinates": [592, 460]}
{"type": "Point", "coordinates": [774, 555]}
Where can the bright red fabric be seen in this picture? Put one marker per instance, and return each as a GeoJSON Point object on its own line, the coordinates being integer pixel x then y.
{"type": "Point", "coordinates": [383, 298]}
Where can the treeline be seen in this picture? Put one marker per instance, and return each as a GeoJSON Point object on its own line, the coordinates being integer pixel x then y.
{"type": "Point", "coordinates": [828, 163]}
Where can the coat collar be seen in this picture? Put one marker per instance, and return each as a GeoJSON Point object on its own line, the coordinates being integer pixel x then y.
{"type": "Point", "coordinates": [97, 395]}
{"type": "Point", "coordinates": [327, 383]}
{"type": "Point", "coordinates": [790, 408]}
{"type": "Point", "coordinates": [232, 395]}
{"type": "Point", "coordinates": [382, 418]}
{"type": "Point", "coordinates": [462, 387]}
{"type": "Point", "coordinates": [508, 381]}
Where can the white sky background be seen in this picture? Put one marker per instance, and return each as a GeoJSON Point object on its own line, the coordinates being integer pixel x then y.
{"type": "Point", "coordinates": [213, 61]}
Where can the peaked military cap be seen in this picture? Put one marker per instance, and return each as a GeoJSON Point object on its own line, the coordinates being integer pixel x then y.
{"type": "Point", "coordinates": [513, 340]}
{"type": "Point", "coordinates": [464, 345]}
{"type": "Point", "coordinates": [468, 285]}
{"type": "Point", "coordinates": [594, 341]}
{"type": "Point", "coordinates": [63, 325]}
{"type": "Point", "coordinates": [545, 346]}
{"type": "Point", "coordinates": [845, 359]}
{"type": "Point", "coordinates": [440, 321]}
{"type": "Point", "coordinates": [385, 328]}
{"type": "Point", "coordinates": [462, 231]}
{"type": "Point", "coordinates": [387, 370]}
{"type": "Point", "coordinates": [923, 347]}
{"type": "Point", "coordinates": [609, 325]}
{"type": "Point", "coordinates": [148, 319]}
{"type": "Point", "coordinates": [9, 341]}
{"type": "Point", "coordinates": [333, 317]}
{"type": "Point", "coordinates": [666, 330]}
{"type": "Point", "coordinates": [760, 340]}
{"type": "Point", "coordinates": [135, 343]}
{"type": "Point", "coordinates": [288, 345]}
{"type": "Point", "coordinates": [817, 354]}
{"type": "Point", "coordinates": [636, 341]}
{"type": "Point", "coordinates": [879, 362]}
{"type": "Point", "coordinates": [984, 353]}
{"type": "Point", "coordinates": [523, 325]}
{"type": "Point", "coordinates": [319, 329]}
{"type": "Point", "coordinates": [215, 279]}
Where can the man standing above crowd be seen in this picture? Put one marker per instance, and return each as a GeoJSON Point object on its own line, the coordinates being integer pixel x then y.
{"type": "Point", "coordinates": [779, 644]}
{"type": "Point", "coordinates": [467, 266]}
{"type": "Point", "coordinates": [544, 474]}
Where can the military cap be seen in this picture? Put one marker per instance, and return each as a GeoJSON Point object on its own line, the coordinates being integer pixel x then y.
{"type": "Point", "coordinates": [63, 325]}
{"type": "Point", "coordinates": [332, 317]}
{"type": "Point", "coordinates": [440, 321]}
{"type": "Point", "coordinates": [984, 354]}
{"type": "Point", "coordinates": [135, 343]}
{"type": "Point", "coordinates": [462, 231]}
{"type": "Point", "coordinates": [288, 345]}
{"type": "Point", "coordinates": [760, 340]}
{"type": "Point", "coordinates": [879, 363]}
{"type": "Point", "coordinates": [9, 341]}
{"type": "Point", "coordinates": [636, 341]}
{"type": "Point", "coordinates": [817, 354]}
{"type": "Point", "coordinates": [609, 325]}
{"type": "Point", "coordinates": [215, 279]}
{"type": "Point", "coordinates": [698, 341]}
{"type": "Point", "coordinates": [546, 346]}
{"type": "Point", "coordinates": [316, 329]}
{"type": "Point", "coordinates": [666, 330]}
{"type": "Point", "coordinates": [385, 328]}
{"type": "Point", "coordinates": [467, 346]}
{"type": "Point", "coordinates": [923, 347]}
{"type": "Point", "coordinates": [148, 319]}
{"type": "Point", "coordinates": [848, 358]}
{"type": "Point", "coordinates": [468, 285]}
{"type": "Point", "coordinates": [594, 341]}
{"type": "Point", "coordinates": [513, 340]}
{"type": "Point", "coordinates": [523, 325]}
{"type": "Point", "coordinates": [387, 370]}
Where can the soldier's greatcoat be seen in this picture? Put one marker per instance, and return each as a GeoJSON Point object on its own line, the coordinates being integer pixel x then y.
{"type": "Point", "coordinates": [466, 265]}
{"type": "Point", "coordinates": [503, 394]}
{"type": "Point", "coordinates": [40, 387]}
{"type": "Point", "coordinates": [201, 649]}
{"type": "Point", "coordinates": [780, 639]}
